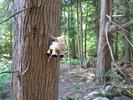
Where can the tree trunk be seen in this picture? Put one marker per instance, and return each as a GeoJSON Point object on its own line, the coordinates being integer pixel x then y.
{"type": "Point", "coordinates": [73, 48]}
{"type": "Point", "coordinates": [77, 10]}
{"type": "Point", "coordinates": [85, 34]}
{"type": "Point", "coordinates": [68, 16]}
{"type": "Point", "coordinates": [81, 35]}
{"type": "Point", "coordinates": [104, 58]}
{"type": "Point", "coordinates": [73, 42]}
{"type": "Point", "coordinates": [40, 81]}
{"type": "Point", "coordinates": [127, 54]}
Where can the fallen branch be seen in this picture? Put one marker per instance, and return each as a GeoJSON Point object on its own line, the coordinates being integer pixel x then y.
{"type": "Point", "coordinates": [14, 15]}
{"type": "Point", "coordinates": [121, 27]}
{"type": "Point", "coordinates": [111, 53]}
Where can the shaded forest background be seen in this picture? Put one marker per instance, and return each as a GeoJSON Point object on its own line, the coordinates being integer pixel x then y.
{"type": "Point", "coordinates": [80, 22]}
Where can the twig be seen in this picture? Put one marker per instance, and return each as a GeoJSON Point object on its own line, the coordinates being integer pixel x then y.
{"type": "Point", "coordinates": [25, 70]}
{"type": "Point", "coordinates": [127, 39]}
{"type": "Point", "coordinates": [5, 57]}
{"type": "Point", "coordinates": [69, 94]}
{"type": "Point", "coordinates": [14, 15]}
{"type": "Point", "coordinates": [8, 72]}
{"type": "Point", "coordinates": [123, 86]}
{"type": "Point", "coordinates": [107, 26]}
{"type": "Point", "coordinates": [122, 30]}
{"type": "Point", "coordinates": [111, 53]}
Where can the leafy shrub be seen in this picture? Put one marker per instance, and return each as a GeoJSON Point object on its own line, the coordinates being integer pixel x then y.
{"type": "Point", "coordinates": [75, 61]}
{"type": "Point", "coordinates": [71, 61]}
{"type": "Point", "coordinates": [5, 79]}
{"type": "Point", "coordinates": [111, 74]}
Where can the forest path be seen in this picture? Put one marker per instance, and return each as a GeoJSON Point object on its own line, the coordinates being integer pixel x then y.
{"type": "Point", "coordinates": [77, 83]}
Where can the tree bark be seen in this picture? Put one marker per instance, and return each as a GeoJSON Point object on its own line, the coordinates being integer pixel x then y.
{"type": "Point", "coordinates": [104, 58]}
{"type": "Point", "coordinates": [81, 35]}
{"type": "Point", "coordinates": [68, 22]}
{"type": "Point", "coordinates": [40, 81]}
{"type": "Point", "coordinates": [73, 42]}
{"type": "Point", "coordinates": [73, 47]}
{"type": "Point", "coordinates": [85, 34]}
{"type": "Point", "coordinates": [77, 12]}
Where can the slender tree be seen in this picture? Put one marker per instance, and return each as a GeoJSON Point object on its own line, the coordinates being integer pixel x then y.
{"type": "Point", "coordinates": [127, 54]}
{"type": "Point", "coordinates": [35, 77]}
{"type": "Point", "coordinates": [104, 59]}
{"type": "Point", "coordinates": [81, 33]}
{"type": "Point", "coordinates": [104, 55]}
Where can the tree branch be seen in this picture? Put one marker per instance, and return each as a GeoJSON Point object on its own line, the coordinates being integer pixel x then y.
{"type": "Point", "coordinates": [8, 72]}
{"type": "Point", "coordinates": [127, 38]}
{"type": "Point", "coordinates": [111, 53]}
{"type": "Point", "coordinates": [115, 28]}
{"type": "Point", "coordinates": [122, 28]}
{"type": "Point", "coordinates": [5, 57]}
{"type": "Point", "coordinates": [14, 15]}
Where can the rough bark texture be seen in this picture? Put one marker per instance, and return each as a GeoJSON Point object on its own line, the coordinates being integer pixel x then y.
{"type": "Point", "coordinates": [104, 58]}
{"type": "Point", "coordinates": [40, 82]}
{"type": "Point", "coordinates": [81, 34]}
{"type": "Point", "coordinates": [18, 44]}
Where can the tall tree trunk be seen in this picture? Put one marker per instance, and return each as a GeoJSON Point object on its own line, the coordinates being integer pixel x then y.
{"type": "Point", "coordinates": [85, 33]}
{"type": "Point", "coordinates": [68, 16]}
{"type": "Point", "coordinates": [97, 11]}
{"type": "Point", "coordinates": [40, 81]}
{"type": "Point", "coordinates": [77, 10]}
{"type": "Point", "coordinates": [73, 42]}
{"type": "Point", "coordinates": [104, 58]}
{"type": "Point", "coordinates": [81, 35]}
{"type": "Point", "coordinates": [127, 54]}
{"type": "Point", "coordinates": [85, 40]}
{"type": "Point", "coordinates": [73, 48]}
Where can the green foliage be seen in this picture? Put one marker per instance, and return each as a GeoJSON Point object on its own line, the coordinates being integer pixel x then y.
{"type": "Point", "coordinates": [70, 25]}
{"type": "Point", "coordinates": [75, 61]}
{"type": "Point", "coordinates": [71, 61]}
{"type": "Point", "coordinates": [5, 29]}
{"type": "Point", "coordinates": [77, 86]}
{"type": "Point", "coordinates": [72, 32]}
{"type": "Point", "coordinates": [128, 92]}
{"type": "Point", "coordinates": [5, 79]}
{"type": "Point", "coordinates": [91, 45]}
{"type": "Point", "coordinates": [112, 74]}
{"type": "Point", "coordinates": [5, 47]}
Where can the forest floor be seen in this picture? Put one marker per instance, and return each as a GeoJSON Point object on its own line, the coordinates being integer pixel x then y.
{"type": "Point", "coordinates": [78, 84]}
{"type": "Point", "coordinates": [74, 80]}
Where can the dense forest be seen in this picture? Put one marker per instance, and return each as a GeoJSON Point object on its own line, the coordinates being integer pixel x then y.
{"type": "Point", "coordinates": [66, 49]}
